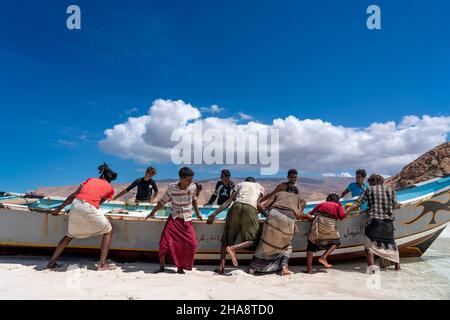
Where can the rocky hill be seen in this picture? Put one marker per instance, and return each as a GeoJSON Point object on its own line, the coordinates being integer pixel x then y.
{"type": "Point", "coordinates": [435, 163]}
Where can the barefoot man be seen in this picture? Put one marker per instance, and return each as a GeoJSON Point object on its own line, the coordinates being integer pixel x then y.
{"type": "Point", "coordinates": [275, 246]}
{"type": "Point", "coordinates": [379, 237]}
{"type": "Point", "coordinates": [242, 219]}
{"type": "Point", "coordinates": [178, 239]}
{"type": "Point", "coordinates": [324, 234]}
{"type": "Point", "coordinates": [85, 220]}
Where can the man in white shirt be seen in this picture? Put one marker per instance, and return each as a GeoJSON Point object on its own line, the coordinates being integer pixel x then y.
{"type": "Point", "coordinates": [242, 219]}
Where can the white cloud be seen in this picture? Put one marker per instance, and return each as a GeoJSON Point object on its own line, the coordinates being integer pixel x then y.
{"type": "Point", "coordinates": [245, 116]}
{"type": "Point", "coordinates": [329, 174]}
{"type": "Point", "coordinates": [131, 111]}
{"type": "Point", "coordinates": [310, 145]}
{"type": "Point", "coordinates": [212, 109]}
{"type": "Point", "coordinates": [345, 175]}
{"type": "Point", "coordinates": [66, 143]}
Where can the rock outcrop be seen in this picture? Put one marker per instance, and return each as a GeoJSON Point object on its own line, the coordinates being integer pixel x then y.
{"type": "Point", "coordinates": [435, 163]}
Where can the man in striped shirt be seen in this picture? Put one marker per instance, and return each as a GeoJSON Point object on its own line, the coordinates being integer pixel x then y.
{"type": "Point", "coordinates": [178, 239]}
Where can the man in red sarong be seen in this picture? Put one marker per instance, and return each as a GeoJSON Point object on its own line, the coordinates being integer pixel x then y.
{"type": "Point", "coordinates": [178, 239]}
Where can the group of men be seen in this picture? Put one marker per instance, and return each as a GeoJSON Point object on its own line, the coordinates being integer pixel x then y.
{"type": "Point", "coordinates": [271, 241]}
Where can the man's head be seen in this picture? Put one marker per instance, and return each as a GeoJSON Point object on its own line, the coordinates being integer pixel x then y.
{"type": "Point", "coordinates": [186, 175]}
{"type": "Point", "coordinates": [360, 175]}
{"type": "Point", "coordinates": [225, 176]}
{"type": "Point", "coordinates": [150, 172]}
{"type": "Point", "coordinates": [250, 179]}
{"type": "Point", "coordinates": [333, 197]}
{"type": "Point", "coordinates": [375, 179]}
{"type": "Point", "coordinates": [106, 173]}
{"type": "Point", "coordinates": [292, 176]}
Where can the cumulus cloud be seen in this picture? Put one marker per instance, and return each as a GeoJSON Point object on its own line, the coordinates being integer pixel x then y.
{"type": "Point", "coordinates": [319, 146]}
{"type": "Point", "coordinates": [245, 116]}
{"type": "Point", "coordinates": [212, 109]}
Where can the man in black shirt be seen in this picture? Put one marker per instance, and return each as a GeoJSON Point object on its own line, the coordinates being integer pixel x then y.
{"type": "Point", "coordinates": [223, 189]}
{"type": "Point", "coordinates": [145, 187]}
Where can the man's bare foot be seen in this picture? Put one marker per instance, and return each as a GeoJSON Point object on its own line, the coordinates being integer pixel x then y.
{"type": "Point", "coordinates": [397, 267]}
{"type": "Point", "coordinates": [180, 271]}
{"type": "Point", "coordinates": [161, 269]}
{"type": "Point", "coordinates": [286, 272]}
{"type": "Point", "coordinates": [325, 263]}
{"type": "Point", "coordinates": [307, 271]}
{"type": "Point", "coordinates": [53, 266]}
{"type": "Point", "coordinates": [233, 256]}
{"type": "Point", "coordinates": [107, 267]}
{"type": "Point", "coordinates": [220, 271]}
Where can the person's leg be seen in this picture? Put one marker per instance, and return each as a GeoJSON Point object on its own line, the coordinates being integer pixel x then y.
{"type": "Point", "coordinates": [58, 251]}
{"type": "Point", "coordinates": [232, 250]}
{"type": "Point", "coordinates": [397, 266]}
{"type": "Point", "coordinates": [106, 244]}
{"type": "Point", "coordinates": [223, 255]}
{"type": "Point", "coordinates": [162, 263]}
{"type": "Point", "coordinates": [370, 258]}
{"type": "Point", "coordinates": [309, 261]}
{"type": "Point", "coordinates": [323, 258]}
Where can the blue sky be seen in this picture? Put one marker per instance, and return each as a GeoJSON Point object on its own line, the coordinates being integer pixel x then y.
{"type": "Point", "coordinates": [61, 89]}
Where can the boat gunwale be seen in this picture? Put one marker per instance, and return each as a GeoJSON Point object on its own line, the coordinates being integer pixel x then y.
{"type": "Point", "coordinates": [126, 217]}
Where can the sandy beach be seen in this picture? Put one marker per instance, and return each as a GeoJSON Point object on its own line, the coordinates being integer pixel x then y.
{"type": "Point", "coordinates": [427, 277]}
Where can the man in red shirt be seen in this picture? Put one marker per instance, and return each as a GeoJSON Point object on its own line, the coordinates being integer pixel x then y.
{"type": "Point", "coordinates": [324, 234]}
{"type": "Point", "coordinates": [85, 220]}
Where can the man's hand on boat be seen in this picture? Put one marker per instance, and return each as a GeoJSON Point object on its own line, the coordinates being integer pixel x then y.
{"type": "Point", "coordinates": [56, 212]}
{"type": "Point", "coordinates": [211, 219]}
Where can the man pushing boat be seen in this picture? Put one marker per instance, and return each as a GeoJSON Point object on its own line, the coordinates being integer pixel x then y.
{"type": "Point", "coordinates": [145, 187]}
{"type": "Point", "coordinates": [178, 239]}
{"type": "Point", "coordinates": [242, 219]}
{"type": "Point", "coordinates": [85, 220]}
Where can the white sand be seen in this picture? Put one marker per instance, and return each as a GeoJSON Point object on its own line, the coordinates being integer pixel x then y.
{"type": "Point", "coordinates": [427, 277]}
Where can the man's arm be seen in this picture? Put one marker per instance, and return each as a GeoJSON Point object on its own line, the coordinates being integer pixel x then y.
{"type": "Point", "coordinates": [158, 207]}
{"type": "Point", "coordinates": [344, 193]}
{"type": "Point", "coordinates": [126, 190]}
{"type": "Point", "coordinates": [68, 201]}
{"type": "Point", "coordinates": [195, 205]}
{"type": "Point", "coordinates": [358, 202]}
{"type": "Point", "coordinates": [395, 203]}
{"type": "Point", "coordinates": [281, 187]}
{"type": "Point", "coordinates": [225, 205]}
{"type": "Point", "coordinates": [214, 195]}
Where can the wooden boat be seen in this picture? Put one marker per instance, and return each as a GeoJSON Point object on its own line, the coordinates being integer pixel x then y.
{"type": "Point", "coordinates": [27, 226]}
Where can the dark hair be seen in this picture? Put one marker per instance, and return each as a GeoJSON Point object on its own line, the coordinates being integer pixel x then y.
{"type": "Point", "coordinates": [151, 170]}
{"type": "Point", "coordinates": [375, 179]}
{"type": "Point", "coordinates": [250, 179]}
{"type": "Point", "coordinates": [361, 172]}
{"type": "Point", "coordinates": [199, 186]}
{"type": "Point", "coordinates": [292, 171]}
{"type": "Point", "coordinates": [106, 173]}
{"type": "Point", "coordinates": [333, 197]}
{"type": "Point", "coordinates": [226, 173]}
{"type": "Point", "coordinates": [185, 172]}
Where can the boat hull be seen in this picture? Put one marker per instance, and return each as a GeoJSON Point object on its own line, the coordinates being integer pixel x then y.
{"type": "Point", "coordinates": [417, 225]}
